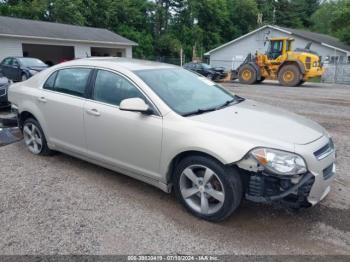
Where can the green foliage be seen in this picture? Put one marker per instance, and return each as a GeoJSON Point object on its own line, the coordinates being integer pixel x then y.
{"type": "Point", "coordinates": [162, 27]}
{"type": "Point", "coordinates": [340, 23]}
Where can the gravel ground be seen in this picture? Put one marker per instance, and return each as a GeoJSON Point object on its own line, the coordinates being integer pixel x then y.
{"type": "Point", "coordinates": [61, 205]}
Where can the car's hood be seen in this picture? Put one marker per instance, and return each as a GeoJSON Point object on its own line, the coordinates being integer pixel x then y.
{"type": "Point", "coordinates": [37, 68]}
{"type": "Point", "coordinates": [261, 122]}
{"type": "Point", "coordinates": [3, 81]}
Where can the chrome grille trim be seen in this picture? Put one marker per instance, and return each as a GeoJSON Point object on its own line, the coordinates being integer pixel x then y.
{"type": "Point", "coordinates": [325, 151]}
{"type": "Point", "coordinates": [2, 91]}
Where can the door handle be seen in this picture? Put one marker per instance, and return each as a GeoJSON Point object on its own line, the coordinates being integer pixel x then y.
{"type": "Point", "coordinates": [93, 112]}
{"type": "Point", "coordinates": [42, 99]}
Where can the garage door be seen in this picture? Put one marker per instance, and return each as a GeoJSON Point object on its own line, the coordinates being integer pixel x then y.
{"type": "Point", "coordinates": [50, 54]}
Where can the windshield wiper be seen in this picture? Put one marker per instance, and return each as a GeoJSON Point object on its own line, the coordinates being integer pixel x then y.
{"type": "Point", "coordinates": [236, 99]}
{"type": "Point", "coordinates": [199, 111]}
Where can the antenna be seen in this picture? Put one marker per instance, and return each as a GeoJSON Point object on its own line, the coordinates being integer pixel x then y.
{"type": "Point", "coordinates": [274, 16]}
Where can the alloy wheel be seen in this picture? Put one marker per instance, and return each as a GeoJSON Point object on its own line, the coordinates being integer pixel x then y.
{"type": "Point", "coordinates": [24, 77]}
{"type": "Point", "coordinates": [202, 189]}
{"type": "Point", "coordinates": [32, 138]}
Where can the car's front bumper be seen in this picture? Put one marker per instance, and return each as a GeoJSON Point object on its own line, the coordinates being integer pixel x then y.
{"type": "Point", "coordinates": [322, 169]}
{"type": "Point", "coordinates": [3, 97]}
{"type": "Point", "coordinates": [296, 191]}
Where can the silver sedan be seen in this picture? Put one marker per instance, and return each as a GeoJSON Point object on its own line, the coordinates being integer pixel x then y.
{"type": "Point", "coordinates": [178, 131]}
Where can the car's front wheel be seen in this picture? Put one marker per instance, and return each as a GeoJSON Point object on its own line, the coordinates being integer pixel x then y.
{"type": "Point", "coordinates": [207, 188]}
{"type": "Point", "coordinates": [34, 137]}
{"type": "Point", "coordinates": [24, 77]}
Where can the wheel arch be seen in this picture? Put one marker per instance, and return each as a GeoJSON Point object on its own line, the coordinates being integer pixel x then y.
{"type": "Point", "coordinates": [23, 116]}
{"type": "Point", "coordinates": [30, 109]}
{"type": "Point", "coordinates": [182, 155]}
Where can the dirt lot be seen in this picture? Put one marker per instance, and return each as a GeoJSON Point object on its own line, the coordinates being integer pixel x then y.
{"type": "Point", "coordinates": [59, 204]}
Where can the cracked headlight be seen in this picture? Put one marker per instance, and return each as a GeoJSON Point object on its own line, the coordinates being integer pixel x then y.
{"type": "Point", "coordinates": [279, 162]}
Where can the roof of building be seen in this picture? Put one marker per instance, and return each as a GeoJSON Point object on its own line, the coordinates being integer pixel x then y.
{"type": "Point", "coordinates": [25, 28]}
{"type": "Point", "coordinates": [322, 39]}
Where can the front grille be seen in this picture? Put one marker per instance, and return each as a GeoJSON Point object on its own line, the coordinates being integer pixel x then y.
{"type": "Point", "coordinates": [2, 92]}
{"type": "Point", "coordinates": [328, 172]}
{"type": "Point", "coordinates": [324, 151]}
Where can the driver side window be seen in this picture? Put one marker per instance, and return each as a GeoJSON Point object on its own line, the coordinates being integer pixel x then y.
{"type": "Point", "coordinates": [111, 88]}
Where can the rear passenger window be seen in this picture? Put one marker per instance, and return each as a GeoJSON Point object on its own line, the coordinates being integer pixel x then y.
{"type": "Point", "coordinates": [50, 82]}
{"type": "Point", "coordinates": [112, 88]}
{"type": "Point", "coordinates": [72, 81]}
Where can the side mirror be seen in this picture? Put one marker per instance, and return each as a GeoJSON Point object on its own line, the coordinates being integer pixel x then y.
{"type": "Point", "coordinates": [135, 105]}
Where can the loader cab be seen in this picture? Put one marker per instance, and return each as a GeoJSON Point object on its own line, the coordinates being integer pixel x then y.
{"type": "Point", "coordinates": [278, 47]}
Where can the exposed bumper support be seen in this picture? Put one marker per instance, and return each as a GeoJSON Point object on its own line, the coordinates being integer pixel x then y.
{"type": "Point", "coordinates": [269, 199]}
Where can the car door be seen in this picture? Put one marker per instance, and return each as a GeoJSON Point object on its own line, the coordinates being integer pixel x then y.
{"type": "Point", "coordinates": [5, 67]}
{"type": "Point", "coordinates": [15, 70]}
{"type": "Point", "coordinates": [123, 139]}
{"type": "Point", "coordinates": [61, 103]}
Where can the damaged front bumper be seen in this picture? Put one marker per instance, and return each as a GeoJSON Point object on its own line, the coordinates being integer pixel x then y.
{"type": "Point", "coordinates": [295, 191]}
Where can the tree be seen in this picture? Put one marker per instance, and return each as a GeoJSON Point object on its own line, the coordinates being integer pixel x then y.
{"type": "Point", "coordinates": [318, 19]}
{"type": "Point", "coordinates": [243, 16]}
{"type": "Point", "coordinates": [340, 22]}
{"type": "Point", "coordinates": [66, 11]}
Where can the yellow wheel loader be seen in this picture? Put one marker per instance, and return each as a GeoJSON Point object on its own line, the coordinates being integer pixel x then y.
{"type": "Point", "coordinates": [290, 68]}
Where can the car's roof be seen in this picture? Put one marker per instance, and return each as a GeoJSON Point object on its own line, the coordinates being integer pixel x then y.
{"type": "Point", "coordinates": [22, 57]}
{"type": "Point", "coordinates": [127, 63]}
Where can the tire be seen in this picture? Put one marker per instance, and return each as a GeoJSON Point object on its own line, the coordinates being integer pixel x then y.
{"type": "Point", "coordinates": [224, 183]}
{"type": "Point", "coordinates": [24, 77]}
{"type": "Point", "coordinates": [32, 134]}
{"type": "Point", "coordinates": [247, 75]}
{"type": "Point", "coordinates": [289, 75]}
{"type": "Point", "coordinates": [261, 80]}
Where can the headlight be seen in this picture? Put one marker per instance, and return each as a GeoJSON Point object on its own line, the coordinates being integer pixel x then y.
{"type": "Point", "coordinates": [279, 162]}
{"type": "Point", "coordinates": [33, 72]}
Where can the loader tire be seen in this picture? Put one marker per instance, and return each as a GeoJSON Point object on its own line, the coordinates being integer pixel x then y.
{"type": "Point", "coordinates": [289, 75]}
{"type": "Point", "coordinates": [247, 75]}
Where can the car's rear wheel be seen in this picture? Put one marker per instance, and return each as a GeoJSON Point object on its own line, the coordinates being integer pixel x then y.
{"type": "Point", "coordinates": [34, 138]}
{"type": "Point", "coordinates": [207, 188]}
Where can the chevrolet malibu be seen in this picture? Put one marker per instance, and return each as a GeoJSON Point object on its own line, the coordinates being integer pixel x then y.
{"type": "Point", "coordinates": [178, 131]}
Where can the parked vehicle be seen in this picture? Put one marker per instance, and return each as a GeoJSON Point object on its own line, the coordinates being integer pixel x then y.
{"type": "Point", "coordinates": [21, 68]}
{"type": "Point", "coordinates": [176, 130]}
{"type": "Point", "coordinates": [290, 68]}
{"type": "Point", "coordinates": [4, 85]}
{"type": "Point", "coordinates": [213, 73]}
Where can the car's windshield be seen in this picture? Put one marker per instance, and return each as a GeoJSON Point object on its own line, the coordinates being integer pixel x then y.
{"type": "Point", "coordinates": [206, 66]}
{"type": "Point", "coordinates": [31, 62]}
{"type": "Point", "coordinates": [185, 92]}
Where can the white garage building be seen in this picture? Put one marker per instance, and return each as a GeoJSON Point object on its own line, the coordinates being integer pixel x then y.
{"type": "Point", "coordinates": [54, 42]}
{"type": "Point", "coordinates": [233, 53]}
